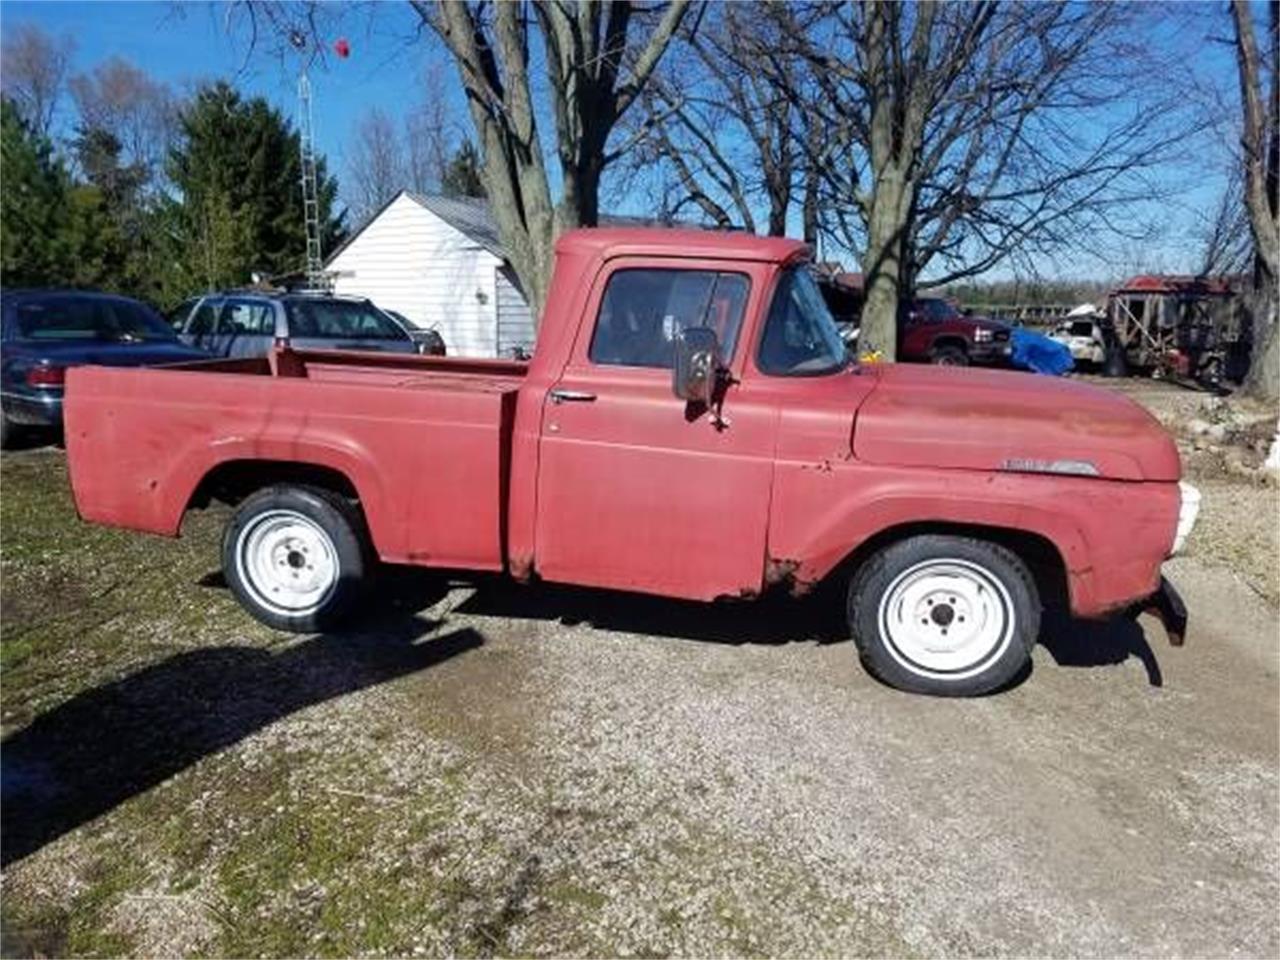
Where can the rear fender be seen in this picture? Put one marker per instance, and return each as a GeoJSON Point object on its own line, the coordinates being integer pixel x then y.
{"type": "Point", "coordinates": [153, 493]}
{"type": "Point", "coordinates": [346, 458]}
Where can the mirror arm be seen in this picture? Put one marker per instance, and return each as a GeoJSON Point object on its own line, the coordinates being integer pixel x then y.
{"type": "Point", "coordinates": [715, 411]}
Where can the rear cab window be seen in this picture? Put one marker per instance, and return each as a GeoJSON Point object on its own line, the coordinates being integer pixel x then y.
{"type": "Point", "coordinates": [340, 320]}
{"type": "Point", "coordinates": [97, 318]}
{"type": "Point", "coordinates": [643, 309]}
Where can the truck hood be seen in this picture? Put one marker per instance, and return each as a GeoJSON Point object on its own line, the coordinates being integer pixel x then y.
{"type": "Point", "coordinates": [961, 418]}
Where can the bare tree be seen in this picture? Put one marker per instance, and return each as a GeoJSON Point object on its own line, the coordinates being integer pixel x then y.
{"type": "Point", "coordinates": [139, 112]}
{"type": "Point", "coordinates": [967, 135]}
{"type": "Point", "coordinates": [935, 140]}
{"type": "Point", "coordinates": [1260, 137]}
{"type": "Point", "coordinates": [1227, 243]}
{"type": "Point", "coordinates": [428, 134]}
{"type": "Point", "coordinates": [376, 168]}
{"type": "Point", "coordinates": [595, 71]}
{"type": "Point", "coordinates": [383, 160]}
{"type": "Point", "coordinates": [35, 73]}
{"type": "Point", "coordinates": [597, 59]}
{"type": "Point", "coordinates": [1260, 140]}
{"type": "Point", "coordinates": [724, 116]}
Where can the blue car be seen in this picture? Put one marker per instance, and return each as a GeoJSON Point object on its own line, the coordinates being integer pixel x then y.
{"type": "Point", "coordinates": [42, 332]}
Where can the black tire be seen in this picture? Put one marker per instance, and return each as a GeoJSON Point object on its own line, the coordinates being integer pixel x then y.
{"type": "Point", "coordinates": [262, 561]}
{"type": "Point", "coordinates": [935, 571]}
{"type": "Point", "coordinates": [949, 356]}
{"type": "Point", "coordinates": [8, 433]}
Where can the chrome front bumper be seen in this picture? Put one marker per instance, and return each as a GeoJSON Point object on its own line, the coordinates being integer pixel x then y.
{"type": "Point", "coordinates": [1188, 510]}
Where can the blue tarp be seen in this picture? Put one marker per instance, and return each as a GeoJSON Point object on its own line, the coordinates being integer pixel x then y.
{"type": "Point", "coordinates": [1036, 352]}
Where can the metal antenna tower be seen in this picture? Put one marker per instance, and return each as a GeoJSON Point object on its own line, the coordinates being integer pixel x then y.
{"type": "Point", "coordinates": [310, 189]}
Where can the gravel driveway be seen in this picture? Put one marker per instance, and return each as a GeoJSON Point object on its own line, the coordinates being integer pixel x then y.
{"type": "Point", "coordinates": [493, 770]}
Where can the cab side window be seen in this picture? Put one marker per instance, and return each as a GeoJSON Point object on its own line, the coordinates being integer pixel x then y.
{"type": "Point", "coordinates": [248, 318]}
{"type": "Point", "coordinates": [643, 310]}
{"type": "Point", "coordinates": [937, 311]}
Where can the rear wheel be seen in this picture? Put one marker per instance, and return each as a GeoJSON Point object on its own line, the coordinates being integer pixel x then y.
{"type": "Point", "coordinates": [949, 356]}
{"type": "Point", "coordinates": [297, 557]}
{"type": "Point", "coordinates": [944, 615]}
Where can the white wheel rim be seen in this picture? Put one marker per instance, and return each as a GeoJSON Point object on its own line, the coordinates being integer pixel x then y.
{"type": "Point", "coordinates": [287, 562]}
{"type": "Point", "coordinates": [946, 619]}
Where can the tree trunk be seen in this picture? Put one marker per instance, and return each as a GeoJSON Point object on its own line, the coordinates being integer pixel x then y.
{"type": "Point", "coordinates": [883, 268]}
{"type": "Point", "coordinates": [1263, 380]}
{"type": "Point", "coordinates": [1261, 143]}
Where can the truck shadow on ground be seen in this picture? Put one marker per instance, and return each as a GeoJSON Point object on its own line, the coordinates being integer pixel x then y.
{"type": "Point", "coordinates": [777, 619]}
{"type": "Point", "coordinates": [1098, 643]}
{"type": "Point", "coordinates": [108, 744]}
{"type": "Point", "coordinates": [773, 619]}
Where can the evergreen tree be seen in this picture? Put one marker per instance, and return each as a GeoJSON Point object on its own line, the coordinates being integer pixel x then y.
{"type": "Point", "coordinates": [33, 205]}
{"type": "Point", "coordinates": [237, 173]}
{"type": "Point", "coordinates": [111, 205]}
{"type": "Point", "coordinates": [462, 177]}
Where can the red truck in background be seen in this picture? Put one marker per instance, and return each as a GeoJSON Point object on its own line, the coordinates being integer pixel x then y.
{"type": "Point", "coordinates": [933, 330]}
{"type": "Point", "coordinates": [689, 425]}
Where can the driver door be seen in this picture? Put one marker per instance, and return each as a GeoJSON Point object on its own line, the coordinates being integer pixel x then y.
{"type": "Point", "coordinates": [637, 491]}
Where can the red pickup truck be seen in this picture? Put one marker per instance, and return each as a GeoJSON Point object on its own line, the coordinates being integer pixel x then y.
{"type": "Point", "coordinates": [932, 330]}
{"type": "Point", "coordinates": [689, 426]}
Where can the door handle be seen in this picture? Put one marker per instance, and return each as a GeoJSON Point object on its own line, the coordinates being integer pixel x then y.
{"type": "Point", "coordinates": [571, 396]}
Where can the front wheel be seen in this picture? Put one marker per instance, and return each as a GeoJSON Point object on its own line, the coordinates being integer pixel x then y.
{"type": "Point", "coordinates": [949, 356]}
{"type": "Point", "coordinates": [296, 557]}
{"type": "Point", "coordinates": [944, 615]}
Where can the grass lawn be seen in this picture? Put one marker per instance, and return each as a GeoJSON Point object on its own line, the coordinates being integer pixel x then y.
{"type": "Point", "coordinates": [149, 806]}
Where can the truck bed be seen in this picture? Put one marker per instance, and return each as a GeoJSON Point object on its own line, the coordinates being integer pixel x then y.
{"type": "Point", "coordinates": [414, 436]}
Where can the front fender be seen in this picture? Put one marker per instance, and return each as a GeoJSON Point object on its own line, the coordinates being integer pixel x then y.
{"type": "Point", "coordinates": [820, 515]}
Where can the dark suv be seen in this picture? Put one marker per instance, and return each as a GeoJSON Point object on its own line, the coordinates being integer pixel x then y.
{"type": "Point", "coordinates": [247, 324]}
{"type": "Point", "coordinates": [932, 330]}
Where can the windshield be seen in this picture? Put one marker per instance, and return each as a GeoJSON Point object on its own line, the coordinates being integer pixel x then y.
{"type": "Point", "coordinates": [90, 318]}
{"type": "Point", "coordinates": [800, 337]}
{"type": "Point", "coordinates": [340, 320]}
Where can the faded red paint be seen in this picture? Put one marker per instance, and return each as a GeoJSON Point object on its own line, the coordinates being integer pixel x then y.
{"type": "Point", "coordinates": [466, 463]}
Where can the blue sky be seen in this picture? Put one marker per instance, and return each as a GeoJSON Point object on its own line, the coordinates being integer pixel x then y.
{"type": "Point", "coordinates": [184, 44]}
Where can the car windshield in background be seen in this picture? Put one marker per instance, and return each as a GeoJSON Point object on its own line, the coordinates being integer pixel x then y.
{"type": "Point", "coordinates": [800, 337]}
{"type": "Point", "coordinates": [90, 318]}
{"type": "Point", "coordinates": [340, 320]}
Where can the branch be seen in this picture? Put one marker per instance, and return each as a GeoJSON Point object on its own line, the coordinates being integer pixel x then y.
{"type": "Point", "coordinates": [650, 56]}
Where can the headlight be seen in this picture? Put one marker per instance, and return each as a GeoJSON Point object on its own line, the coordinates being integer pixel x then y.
{"type": "Point", "coordinates": [981, 335]}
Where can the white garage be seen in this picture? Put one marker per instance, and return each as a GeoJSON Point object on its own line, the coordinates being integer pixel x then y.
{"type": "Point", "coordinates": [437, 261]}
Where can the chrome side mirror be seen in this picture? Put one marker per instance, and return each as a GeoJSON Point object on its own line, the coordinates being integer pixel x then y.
{"type": "Point", "coordinates": [697, 365]}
